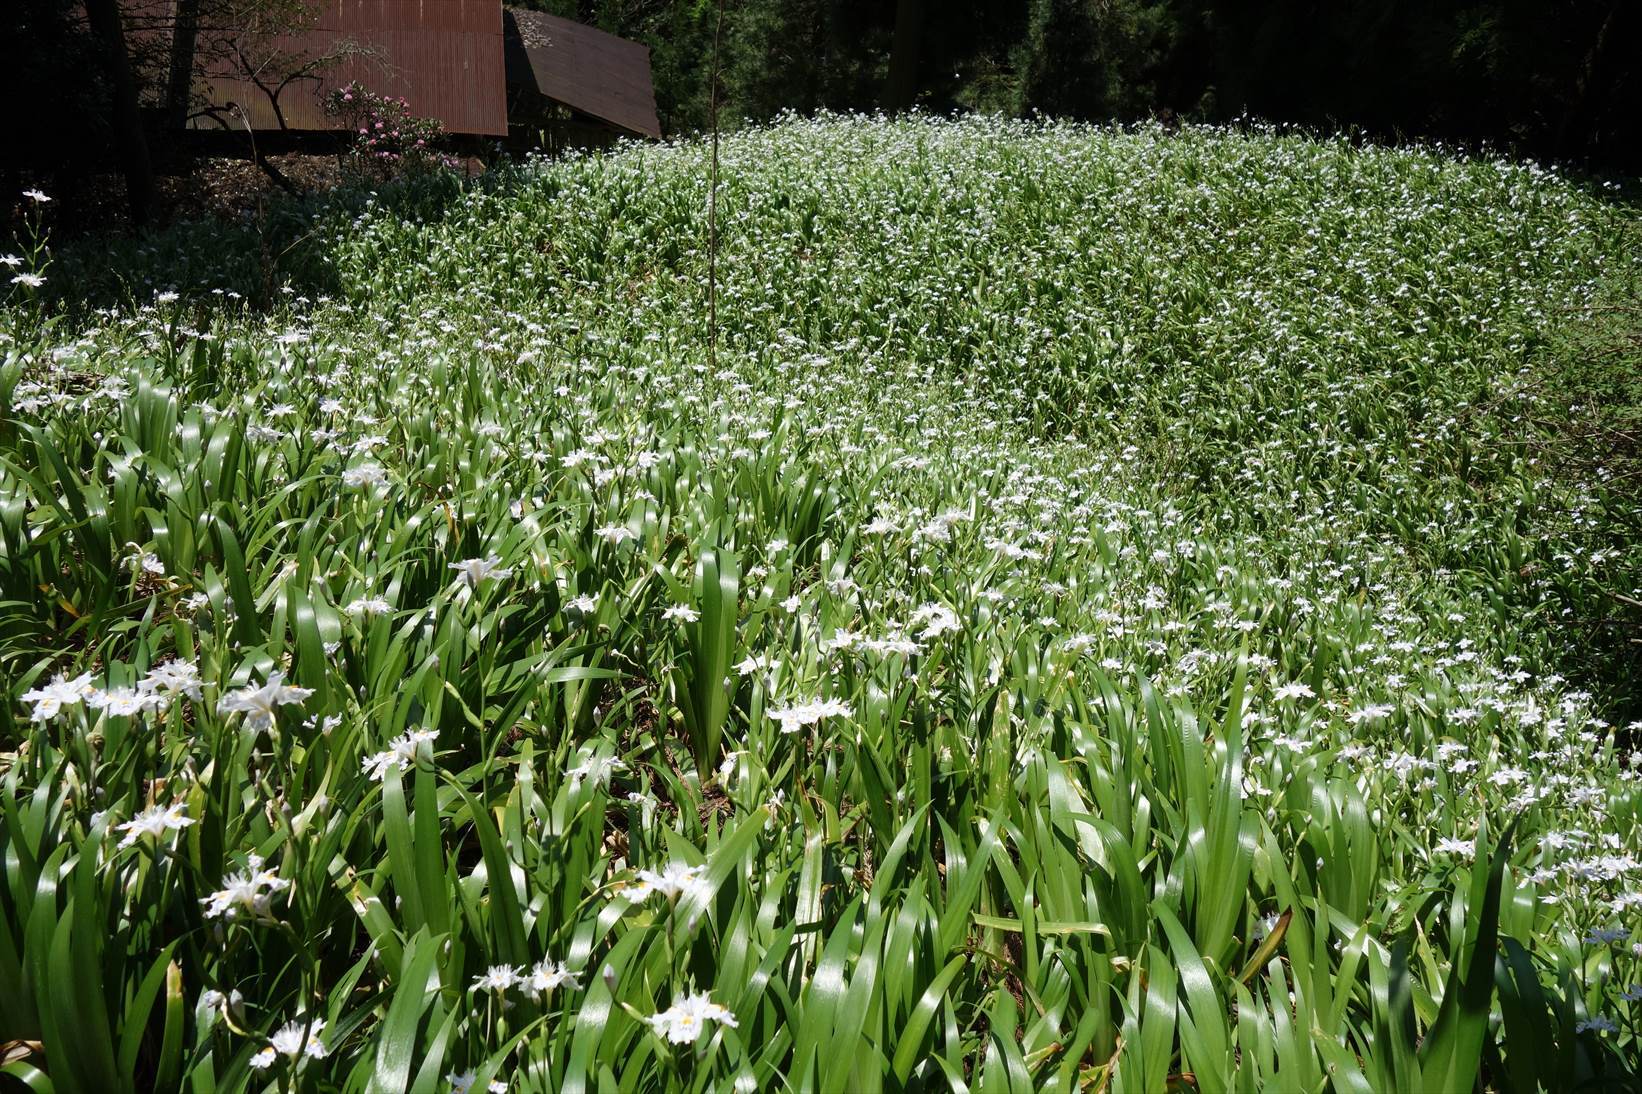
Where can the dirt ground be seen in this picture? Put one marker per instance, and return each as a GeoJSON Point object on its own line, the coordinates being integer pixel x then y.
{"type": "Point", "coordinates": [206, 186]}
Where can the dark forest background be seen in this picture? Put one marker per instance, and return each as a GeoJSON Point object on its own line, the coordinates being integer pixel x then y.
{"type": "Point", "coordinates": [1554, 79]}
{"type": "Point", "coordinates": [1558, 79]}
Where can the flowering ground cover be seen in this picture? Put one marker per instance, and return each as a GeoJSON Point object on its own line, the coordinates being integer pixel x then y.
{"type": "Point", "coordinates": [1099, 620]}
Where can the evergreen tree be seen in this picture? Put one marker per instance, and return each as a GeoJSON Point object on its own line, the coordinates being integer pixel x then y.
{"type": "Point", "coordinates": [1091, 58]}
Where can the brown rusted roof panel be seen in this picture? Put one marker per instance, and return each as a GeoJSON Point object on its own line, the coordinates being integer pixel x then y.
{"type": "Point", "coordinates": [592, 72]}
{"type": "Point", "coordinates": [443, 56]}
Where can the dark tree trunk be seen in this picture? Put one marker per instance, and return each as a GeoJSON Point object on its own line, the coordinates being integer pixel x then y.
{"type": "Point", "coordinates": [902, 91]}
{"type": "Point", "coordinates": [180, 80]}
{"type": "Point", "coordinates": [1578, 109]}
{"type": "Point", "coordinates": [129, 142]}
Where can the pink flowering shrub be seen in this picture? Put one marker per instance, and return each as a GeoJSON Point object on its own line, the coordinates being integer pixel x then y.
{"type": "Point", "coordinates": [387, 139]}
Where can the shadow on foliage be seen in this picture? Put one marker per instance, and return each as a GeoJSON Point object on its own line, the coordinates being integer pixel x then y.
{"type": "Point", "coordinates": [1597, 439]}
{"type": "Point", "coordinates": [279, 252]}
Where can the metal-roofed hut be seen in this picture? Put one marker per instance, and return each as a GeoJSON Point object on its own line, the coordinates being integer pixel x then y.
{"type": "Point", "coordinates": [480, 70]}
{"type": "Point", "coordinates": [599, 82]}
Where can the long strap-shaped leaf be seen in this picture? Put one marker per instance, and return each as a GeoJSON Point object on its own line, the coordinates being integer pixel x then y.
{"type": "Point", "coordinates": [1451, 1054]}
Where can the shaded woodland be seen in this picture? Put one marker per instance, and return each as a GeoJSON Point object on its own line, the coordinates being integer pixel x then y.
{"type": "Point", "coordinates": [1559, 79]}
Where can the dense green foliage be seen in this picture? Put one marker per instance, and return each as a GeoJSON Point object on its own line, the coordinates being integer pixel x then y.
{"type": "Point", "coordinates": [1099, 616]}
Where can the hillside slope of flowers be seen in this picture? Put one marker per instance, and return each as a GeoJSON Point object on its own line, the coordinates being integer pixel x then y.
{"type": "Point", "coordinates": [1094, 623]}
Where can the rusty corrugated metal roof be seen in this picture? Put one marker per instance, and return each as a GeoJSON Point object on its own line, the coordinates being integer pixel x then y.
{"type": "Point", "coordinates": [443, 56]}
{"type": "Point", "coordinates": [594, 73]}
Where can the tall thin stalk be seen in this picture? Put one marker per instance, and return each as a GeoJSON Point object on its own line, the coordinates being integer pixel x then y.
{"type": "Point", "coordinates": [712, 201]}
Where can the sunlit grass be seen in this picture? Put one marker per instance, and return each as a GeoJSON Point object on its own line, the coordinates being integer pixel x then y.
{"type": "Point", "coordinates": [1099, 622]}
